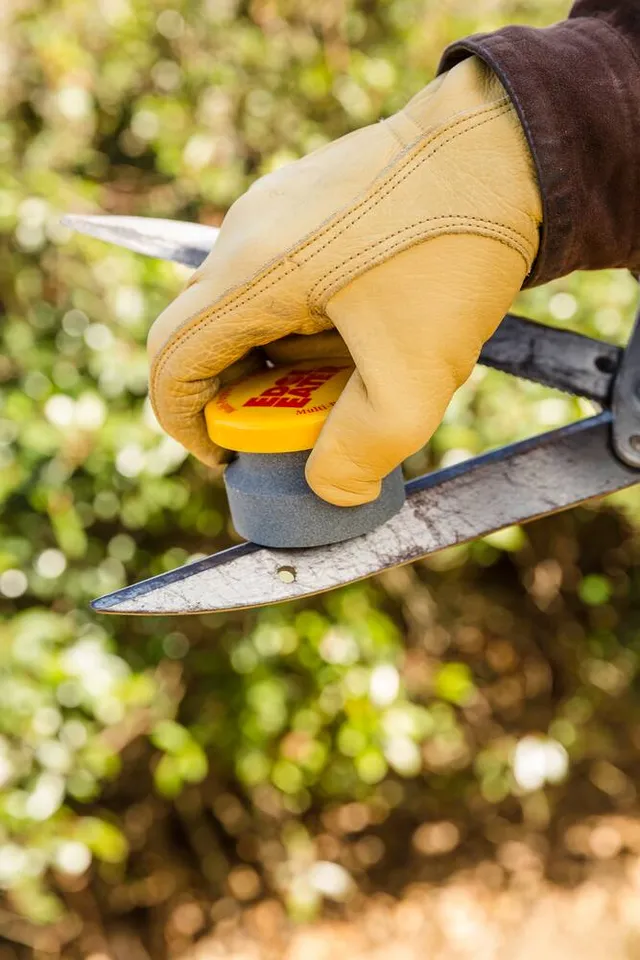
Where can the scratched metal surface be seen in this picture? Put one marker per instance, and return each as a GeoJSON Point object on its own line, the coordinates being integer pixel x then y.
{"type": "Point", "coordinates": [177, 240]}
{"type": "Point", "coordinates": [517, 483]}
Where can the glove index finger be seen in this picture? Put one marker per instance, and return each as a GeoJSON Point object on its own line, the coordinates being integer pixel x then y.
{"type": "Point", "coordinates": [189, 363]}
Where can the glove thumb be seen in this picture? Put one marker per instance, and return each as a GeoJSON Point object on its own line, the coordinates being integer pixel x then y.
{"type": "Point", "coordinates": [414, 326]}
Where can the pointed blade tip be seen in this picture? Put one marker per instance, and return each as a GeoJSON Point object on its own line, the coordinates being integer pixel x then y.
{"type": "Point", "coordinates": [107, 604]}
{"type": "Point", "coordinates": [180, 241]}
{"type": "Point", "coordinates": [119, 601]}
{"type": "Point", "coordinates": [70, 219]}
{"type": "Point", "coordinates": [86, 223]}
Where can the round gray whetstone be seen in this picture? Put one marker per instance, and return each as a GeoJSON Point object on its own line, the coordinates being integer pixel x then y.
{"type": "Point", "coordinates": [272, 504]}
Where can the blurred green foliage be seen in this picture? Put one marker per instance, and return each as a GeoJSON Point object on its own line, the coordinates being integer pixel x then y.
{"type": "Point", "coordinates": [409, 697]}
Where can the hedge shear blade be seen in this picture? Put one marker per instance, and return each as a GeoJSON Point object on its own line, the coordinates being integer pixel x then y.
{"type": "Point", "coordinates": [187, 243]}
{"type": "Point", "coordinates": [450, 506]}
{"type": "Point", "coordinates": [522, 481]}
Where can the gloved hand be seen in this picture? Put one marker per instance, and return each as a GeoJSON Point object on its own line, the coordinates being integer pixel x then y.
{"type": "Point", "coordinates": [410, 237]}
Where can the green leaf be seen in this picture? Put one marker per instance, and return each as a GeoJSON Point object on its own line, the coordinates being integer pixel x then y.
{"type": "Point", "coordinates": [104, 839]}
{"type": "Point", "coordinates": [454, 683]}
{"type": "Point", "coordinates": [170, 736]}
{"type": "Point", "coordinates": [167, 777]}
{"type": "Point", "coordinates": [594, 590]}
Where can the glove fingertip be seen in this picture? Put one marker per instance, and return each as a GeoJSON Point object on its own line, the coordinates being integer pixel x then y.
{"type": "Point", "coordinates": [342, 487]}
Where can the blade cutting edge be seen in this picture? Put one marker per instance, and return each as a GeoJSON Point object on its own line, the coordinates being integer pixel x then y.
{"type": "Point", "coordinates": [525, 480]}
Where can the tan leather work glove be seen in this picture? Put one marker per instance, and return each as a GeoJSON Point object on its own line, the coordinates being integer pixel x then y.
{"type": "Point", "coordinates": [410, 237]}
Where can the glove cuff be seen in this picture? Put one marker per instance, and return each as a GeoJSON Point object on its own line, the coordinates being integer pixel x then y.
{"type": "Point", "coordinates": [576, 89]}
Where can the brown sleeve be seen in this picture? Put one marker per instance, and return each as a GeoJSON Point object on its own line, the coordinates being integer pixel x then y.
{"type": "Point", "coordinates": [576, 87]}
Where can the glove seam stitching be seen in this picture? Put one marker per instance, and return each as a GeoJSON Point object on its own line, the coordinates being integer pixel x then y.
{"type": "Point", "coordinates": [494, 110]}
{"type": "Point", "coordinates": [501, 231]}
{"type": "Point", "coordinates": [414, 161]}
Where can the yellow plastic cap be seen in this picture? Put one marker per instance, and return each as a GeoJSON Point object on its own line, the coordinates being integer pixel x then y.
{"type": "Point", "coordinates": [277, 411]}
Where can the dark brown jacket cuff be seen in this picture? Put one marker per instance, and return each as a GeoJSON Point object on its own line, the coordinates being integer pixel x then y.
{"type": "Point", "coordinates": [576, 87]}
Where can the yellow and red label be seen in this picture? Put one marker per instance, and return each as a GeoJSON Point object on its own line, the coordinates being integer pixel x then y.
{"type": "Point", "coordinates": [279, 410]}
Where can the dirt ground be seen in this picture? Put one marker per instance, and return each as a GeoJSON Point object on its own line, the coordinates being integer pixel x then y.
{"type": "Point", "coordinates": [465, 919]}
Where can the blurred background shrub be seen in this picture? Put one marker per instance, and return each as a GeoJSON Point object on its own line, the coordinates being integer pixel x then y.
{"type": "Point", "coordinates": [158, 777]}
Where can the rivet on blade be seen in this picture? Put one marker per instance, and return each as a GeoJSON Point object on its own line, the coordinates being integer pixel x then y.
{"type": "Point", "coordinates": [286, 574]}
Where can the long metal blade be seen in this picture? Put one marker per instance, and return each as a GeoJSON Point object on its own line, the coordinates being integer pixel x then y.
{"type": "Point", "coordinates": [177, 240]}
{"type": "Point", "coordinates": [517, 483]}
